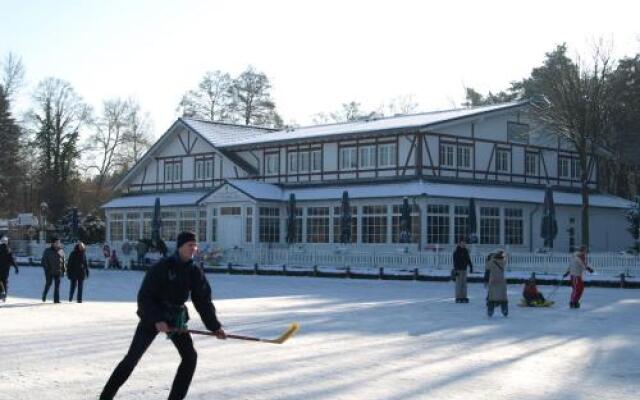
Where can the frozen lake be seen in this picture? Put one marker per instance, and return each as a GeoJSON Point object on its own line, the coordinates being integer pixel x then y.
{"type": "Point", "coordinates": [359, 339]}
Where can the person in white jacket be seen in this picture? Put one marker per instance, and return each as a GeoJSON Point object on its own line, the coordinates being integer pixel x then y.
{"type": "Point", "coordinates": [576, 269]}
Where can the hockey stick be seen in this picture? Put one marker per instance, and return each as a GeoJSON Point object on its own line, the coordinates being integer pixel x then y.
{"type": "Point", "coordinates": [293, 328]}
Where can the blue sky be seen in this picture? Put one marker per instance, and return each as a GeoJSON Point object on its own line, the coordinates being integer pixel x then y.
{"type": "Point", "coordinates": [318, 54]}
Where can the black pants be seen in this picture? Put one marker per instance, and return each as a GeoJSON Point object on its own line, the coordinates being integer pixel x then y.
{"type": "Point", "coordinates": [56, 288]}
{"type": "Point", "coordinates": [141, 340]}
{"type": "Point", "coordinates": [72, 289]}
{"type": "Point", "coordinates": [4, 281]}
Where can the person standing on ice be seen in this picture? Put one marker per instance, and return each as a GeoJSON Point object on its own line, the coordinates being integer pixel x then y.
{"type": "Point", "coordinates": [461, 260]}
{"type": "Point", "coordinates": [577, 266]}
{"type": "Point", "coordinates": [496, 283]}
{"type": "Point", "coordinates": [77, 270]}
{"type": "Point", "coordinates": [164, 290]}
{"type": "Point", "coordinates": [53, 264]}
{"type": "Point", "coordinates": [6, 261]}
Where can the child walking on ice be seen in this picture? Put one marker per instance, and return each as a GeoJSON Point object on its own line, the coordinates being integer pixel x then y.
{"type": "Point", "coordinates": [577, 266]}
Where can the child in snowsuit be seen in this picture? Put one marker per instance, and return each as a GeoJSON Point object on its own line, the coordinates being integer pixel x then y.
{"type": "Point", "coordinates": [576, 269]}
{"type": "Point", "coordinates": [531, 294]}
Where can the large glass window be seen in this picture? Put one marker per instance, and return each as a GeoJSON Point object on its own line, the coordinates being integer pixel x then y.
{"type": "Point", "coordinates": [489, 225]}
{"type": "Point", "coordinates": [169, 225]}
{"type": "Point", "coordinates": [367, 156]}
{"type": "Point", "coordinates": [116, 227]}
{"type": "Point", "coordinates": [133, 227]}
{"type": "Point", "coordinates": [395, 223]}
{"type": "Point", "coordinates": [387, 155]}
{"type": "Point", "coordinates": [438, 224]}
{"type": "Point", "coordinates": [460, 222]}
{"type": "Point", "coordinates": [188, 221]}
{"type": "Point", "coordinates": [513, 226]}
{"type": "Point", "coordinates": [374, 224]}
{"type": "Point", "coordinates": [337, 230]}
{"type": "Point", "coordinates": [318, 225]}
{"type": "Point", "coordinates": [202, 225]}
{"type": "Point", "coordinates": [147, 218]}
{"type": "Point", "coordinates": [269, 225]}
{"type": "Point", "coordinates": [348, 158]}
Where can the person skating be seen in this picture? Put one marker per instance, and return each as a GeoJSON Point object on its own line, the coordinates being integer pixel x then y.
{"type": "Point", "coordinates": [461, 260]}
{"type": "Point", "coordinates": [496, 283]}
{"type": "Point", "coordinates": [164, 290]}
{"type": "Point", "coordinates": [532, 297]}
{"type": "Point", "coordinates": [577, 266]}
{"type": "Point", "coordinates": [77, 270]}
{"type": "Point", "coordinates": [6, 261]}
{"type": "Point", "coordinates": [53, 264]}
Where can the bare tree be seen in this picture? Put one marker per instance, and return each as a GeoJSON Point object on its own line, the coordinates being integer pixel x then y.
{"type": "Point", "coordinates": [137, 136]}
{"type": "Point", "coordinates": [399, 105]}
{"type": "Point", "coordinates": [252, 102]}
{"type": "Point", "coordinates": [577, 105]}
{"type": "Point", "coordinates": [211, 100]}
{"type": "Point", "coordinates": [12, 74]}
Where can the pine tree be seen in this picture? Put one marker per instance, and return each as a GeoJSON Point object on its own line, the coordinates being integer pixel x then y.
{"type": "Point", "coordinates": [10, 180]}
{"type": "Point", "coordinates": [633, 216]}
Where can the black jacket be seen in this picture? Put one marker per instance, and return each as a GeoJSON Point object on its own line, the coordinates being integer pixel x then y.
{"type": "Point", "coordinates": [53, 261]}
{"type": "Point", "coordinates": [461, 259]}
{"type": "Point", "coordinates": [6, 260]}
{"type": "Point", "coordinates": [168, 284]}
{"type": "Point", "coordinates": [77, 266]}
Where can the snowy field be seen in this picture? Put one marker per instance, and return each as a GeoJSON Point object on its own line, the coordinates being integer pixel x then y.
{"type": "Point", "coordinates": [359, 339]}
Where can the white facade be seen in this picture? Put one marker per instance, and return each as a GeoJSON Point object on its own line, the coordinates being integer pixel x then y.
{"type": "Point", "coordinates": [231, 184]}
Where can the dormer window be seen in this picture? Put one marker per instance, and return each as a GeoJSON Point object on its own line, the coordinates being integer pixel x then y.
{"type": "Point", "coordinates": [172, 170]}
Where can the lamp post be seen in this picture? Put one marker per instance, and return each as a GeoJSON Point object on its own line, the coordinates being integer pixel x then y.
{"type": "Point", "coordinates": [43, 223]}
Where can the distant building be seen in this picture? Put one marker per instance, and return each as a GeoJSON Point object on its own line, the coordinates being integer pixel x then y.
{"type": "Point", "coordinates": [231, 183]}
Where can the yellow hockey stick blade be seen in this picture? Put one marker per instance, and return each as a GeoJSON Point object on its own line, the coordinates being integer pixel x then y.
{"type": "Point", "coordinates": [293, 328]}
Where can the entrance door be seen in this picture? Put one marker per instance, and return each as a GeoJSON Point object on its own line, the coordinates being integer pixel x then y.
{"type": "Point", "coordinates": [230, 227]}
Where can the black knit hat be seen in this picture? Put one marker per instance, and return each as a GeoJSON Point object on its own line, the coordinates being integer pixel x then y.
{"type": "Point", "coordinates": [184, 237]}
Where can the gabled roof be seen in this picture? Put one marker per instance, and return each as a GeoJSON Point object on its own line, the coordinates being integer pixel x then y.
{"type": "Point", "coordinates": [221, 134]}
{"type": "Point", "coordinates": [170, 199]}
{"type": "Point", "coordinates": [422, 120]}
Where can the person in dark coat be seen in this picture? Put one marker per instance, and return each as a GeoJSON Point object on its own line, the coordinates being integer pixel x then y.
{"type": "Point", "coordinates": [77, 270]}
{"type": "Point", "coordinates": [461, 260]}
{"type": "Point", "coordinates": [6, 261]}
{"type": "Point", "coordinates": [53, 264]}
{"type": "Point", "coordinates": [164, 290]}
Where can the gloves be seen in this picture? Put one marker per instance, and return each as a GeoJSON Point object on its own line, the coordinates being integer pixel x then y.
{"type": "Point", "coordinates": [590, 269]}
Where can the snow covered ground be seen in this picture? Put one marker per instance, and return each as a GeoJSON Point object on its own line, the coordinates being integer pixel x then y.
{"type": "Point", "coordinates": [360, 339]}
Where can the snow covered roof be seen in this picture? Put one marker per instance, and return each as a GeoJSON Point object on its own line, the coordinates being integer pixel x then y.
{"type": "Point", "coordinates": [221, 134]}
{"type": "Point", "coordinates": [148, 200]}
{"type": "Point", "coordinates": [267, 191]}
{"type": "Point", "coordinates": [373, 125]}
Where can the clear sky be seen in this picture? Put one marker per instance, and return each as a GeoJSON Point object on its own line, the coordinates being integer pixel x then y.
{"type": "Point", "coordinates": [317, 54]}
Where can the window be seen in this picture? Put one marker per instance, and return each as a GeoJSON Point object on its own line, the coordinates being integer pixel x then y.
{"type": "Point", "coordinates": [147, 227]}
{"type": "Point", "coordinates": [188, 221]}
{"type": "Point", "coordinates": [169, 225]}
{"type": "Point", "coordinates": [517, 132]}
{"type": "Point", "coordinates": [337, 229]}
{"type": "Point", "coordinates": [133, 227]}
{"type": "Point", "coordinates": [463, 153]}
{"type": "Point", "coordinates": [316, 160]}
{"type": "Point", "coordinates": [563, 167]}
{"type": "Point", "coordinates": [318, 225]}
{"type": "Point", "coordinates": [460, 222]}
{"type": "Point", "coordinates": [367, 157]}
{"type": "Point", "coordinates": [203, 169]}
{"type": "Point", "coordinates": [248, 226]}
{"type": "Point", "coordinates": [214, 225]}
{"type": "Point", "coordinates": [489, 225]}
{"type": "Point", "coordinates": [438, 224]}
{"type": "Point", "coordinates": [172, 171]}
{"type": "Point", "coordinates": [116, 227]}
{"type": "Point", "coordinates": [569, 167]}
{"type": "Point", "coordinates": [502, 160]}
{"type": "Point", "coordinates": [230, 210]}
{"type": "Point", "coordinates": [575, 168]}
{"type": "Point", "coordinates": [531, 164]}
{"type": "Point", "coordinates": [513, 226]}
{"type": "Point", "coordinates": [269, 225]}
{"type": "Point", "coordinates": [415, 223]}
{"type": "Point", "coordinates": [304, 161]}
{"type": "Point", "coordinates": [447, 155]}
{"type": "Point", "coordinates": [272, 162]}
{"type": "Point", "coordinates": [293, 162]}
{"type": "Point", "coordinates": [374, 224]}
{"type": "Point", "coordinates": [202, 225]}
{"type": "Point", "coordinates": [387, 155]}
{"type": "Point", "coordinates": [348, 159]}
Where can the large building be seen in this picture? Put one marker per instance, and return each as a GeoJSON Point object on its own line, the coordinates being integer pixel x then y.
{"type": "Point", "coordinates": [232, 183]}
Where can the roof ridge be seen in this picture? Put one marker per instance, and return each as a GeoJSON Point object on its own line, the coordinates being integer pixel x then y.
{"type": "Point", "coordinates": [228, 124]}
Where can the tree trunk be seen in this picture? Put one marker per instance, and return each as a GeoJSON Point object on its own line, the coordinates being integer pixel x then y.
{"type": "Point", "coordinates": [585, 213]}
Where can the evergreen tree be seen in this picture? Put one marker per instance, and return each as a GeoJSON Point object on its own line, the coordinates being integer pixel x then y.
{"type": "Point", "coordinates": [10, 165]}
{"type": "Point", "coordinates": [633, 216]}
{"type": "Point", "coordinates": [251, 100]}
